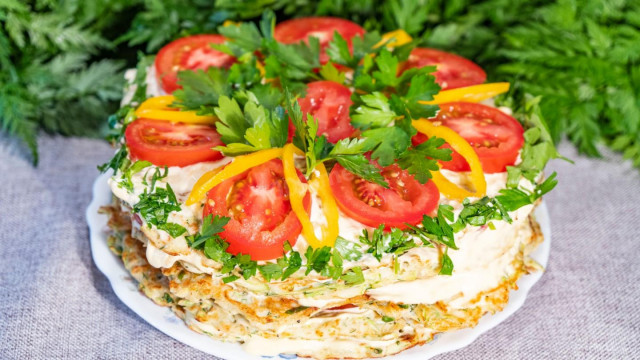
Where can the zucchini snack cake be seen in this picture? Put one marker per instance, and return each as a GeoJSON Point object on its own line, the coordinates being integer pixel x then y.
{"type": "Point", "coordinates": [311, 188]}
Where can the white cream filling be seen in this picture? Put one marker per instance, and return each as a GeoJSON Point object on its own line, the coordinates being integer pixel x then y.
{"type": "Point", "coordinates": [483, 260]}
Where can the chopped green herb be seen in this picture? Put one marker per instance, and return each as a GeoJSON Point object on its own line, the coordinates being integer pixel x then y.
{"type": "Point", "coordinates": [135, 168]}
{"type": "Point", "coordinates": [167, 298]}
{"type": "Point", "coordinates": [155, 207]}
{"type": "Point", "coordinates": [446, 267]}
{"type": "Point", "coordinates": [118, 161]}
{"type": "Point", "coordinates": [387, 319]}
{"type": "Point", "coordinates": [353, 276]}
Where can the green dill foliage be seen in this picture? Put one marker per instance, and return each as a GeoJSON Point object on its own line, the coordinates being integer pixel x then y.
{"type": "Point", "coordinates": [155, 206]}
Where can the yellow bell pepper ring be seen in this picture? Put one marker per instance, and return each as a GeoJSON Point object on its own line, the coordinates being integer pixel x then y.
{"type": "Point", "coordinates": [329, 207]}
{"type": "Point", "coordinates": [396, 38]}
{"type": "Point", "coordinates": [459, 144]}
{"type": "Point", "coordinates": [475, 93]}
{"type": "Point", "coordinates": [239, 165]}
{"type": "Point", "coordinates": [157, 108]}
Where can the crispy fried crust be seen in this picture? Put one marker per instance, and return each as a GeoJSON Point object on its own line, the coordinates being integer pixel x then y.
{"type": "Point", "coordinates": [363, 327]}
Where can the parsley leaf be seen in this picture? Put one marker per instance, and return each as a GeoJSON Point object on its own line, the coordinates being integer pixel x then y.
{"type": "Point", "coordinates": [360, 166]}
{"type": "Point", "coordinates": [130, 171]}
{"type": "Point", "coordinates": [202, 89]}
{"type": "Point", "coordinates": [446, 267]}
{"type": "Point", "coordinates": [380, 242]}
{"type": "Point", "coordinates": [251, 129]}
{"type": "Point", "coordinates": [317, 259]}
{"type": "Point", "coordinates": [353, 276]}
{"type": "Point", "coordinates": [419, 161]}
{"type": "Point", "coordinates": [349, 250]}
{"type": "Point", "coordinates": [210, 228]}
{"type": "Point", "coordinates": [515, 198]}
{"type": "Point", "coordinates": [331, 73]}
{"type": "Point", "coordinates": [374, 112]}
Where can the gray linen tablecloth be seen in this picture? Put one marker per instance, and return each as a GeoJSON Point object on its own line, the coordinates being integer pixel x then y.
{"type": "Point", "coordinates": [54, 303]}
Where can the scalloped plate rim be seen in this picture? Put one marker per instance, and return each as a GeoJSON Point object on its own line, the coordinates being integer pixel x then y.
{"type": "Point", "coordinates": [163, 319]}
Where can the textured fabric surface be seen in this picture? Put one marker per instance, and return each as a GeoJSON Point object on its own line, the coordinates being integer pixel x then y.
{"type": "Point", "coordinates": [54, 303]}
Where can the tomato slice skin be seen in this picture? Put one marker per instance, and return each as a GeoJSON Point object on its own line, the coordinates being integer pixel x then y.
{"type": "Point", "coordinates": [321, 27]}
{"type": "Point", "coordinates": [257, 201]}
{"type": "Point", "coordinates": [329, 103]}
{"type": "Point", "coordinates": [189, 53]}
{"type": "Point", "coordinates": [406, 201]}
{"type": "Point", "coordinates": [166, 144]}
{"type": "Point", "coordinates": [452, 71]}
{"type": "Point", "coordinates": [495, 136]}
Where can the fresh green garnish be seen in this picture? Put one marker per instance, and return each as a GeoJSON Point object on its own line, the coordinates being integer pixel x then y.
{"type": "Point", "coordinates": [210, 228]}
{"type": "Point", "coordinates": [154, 207]}
{"type": "Point", "coordinates": [446, 267]}
{"type": "Point", "coordinates": [127, 173]}
{"type": "Point", "coordinates": [380, 242]}
{"type": "Point", "coordinates": [349, 250]}
{"type": "Point", "coordinates": [249, 129]}
{"type": "Point", "coordinates": [167, 298]}
{"type": "Point", "coordinates": [118, 162]}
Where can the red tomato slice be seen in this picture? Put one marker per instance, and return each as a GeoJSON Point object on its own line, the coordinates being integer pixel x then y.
{"type": "Point", "coordinates": [452, 71]}
{"type": "Point", "coordinates": [405, 201]}
{"type": "Point", "coordinates": [323, 28]}
{"type": "Point", "coordinates": [328, 102]}
{"type": "Point", "coordinates": [495, 136]}
{"type": "Point", "coordinates": [166, 144]}
{"type": "Point", "coordinates": [257, 201]}
{"type": "Point", "coordinates": [189, 53]}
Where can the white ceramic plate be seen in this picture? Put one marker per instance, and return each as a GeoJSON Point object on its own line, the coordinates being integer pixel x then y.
{"type": "Point", "coordinates": [164, 320]}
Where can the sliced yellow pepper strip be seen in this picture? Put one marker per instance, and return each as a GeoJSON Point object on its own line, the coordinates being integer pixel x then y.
{"type": "Point", "coordinates": [239, 165]}
{"type": "Point", "coordinates": [297, 192]}
{"type": "Point", "coordinates": [261, 68]}
{"type": "Point", "coordinates": [398, 38]}
{"type": "Point", "coordinates": [157, 102]}
{"type": "Point", "coordinates": [475, 93]}
{"type": "Point", "coordinates": [459, 144]}
{"type": "Point", "coordinates": [157, 108]}
{"type": "Point", "coordinates": [329, 207]}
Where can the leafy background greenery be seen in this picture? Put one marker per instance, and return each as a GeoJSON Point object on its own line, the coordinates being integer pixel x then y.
{"type": "Point", "coordinates": [62, 61]}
